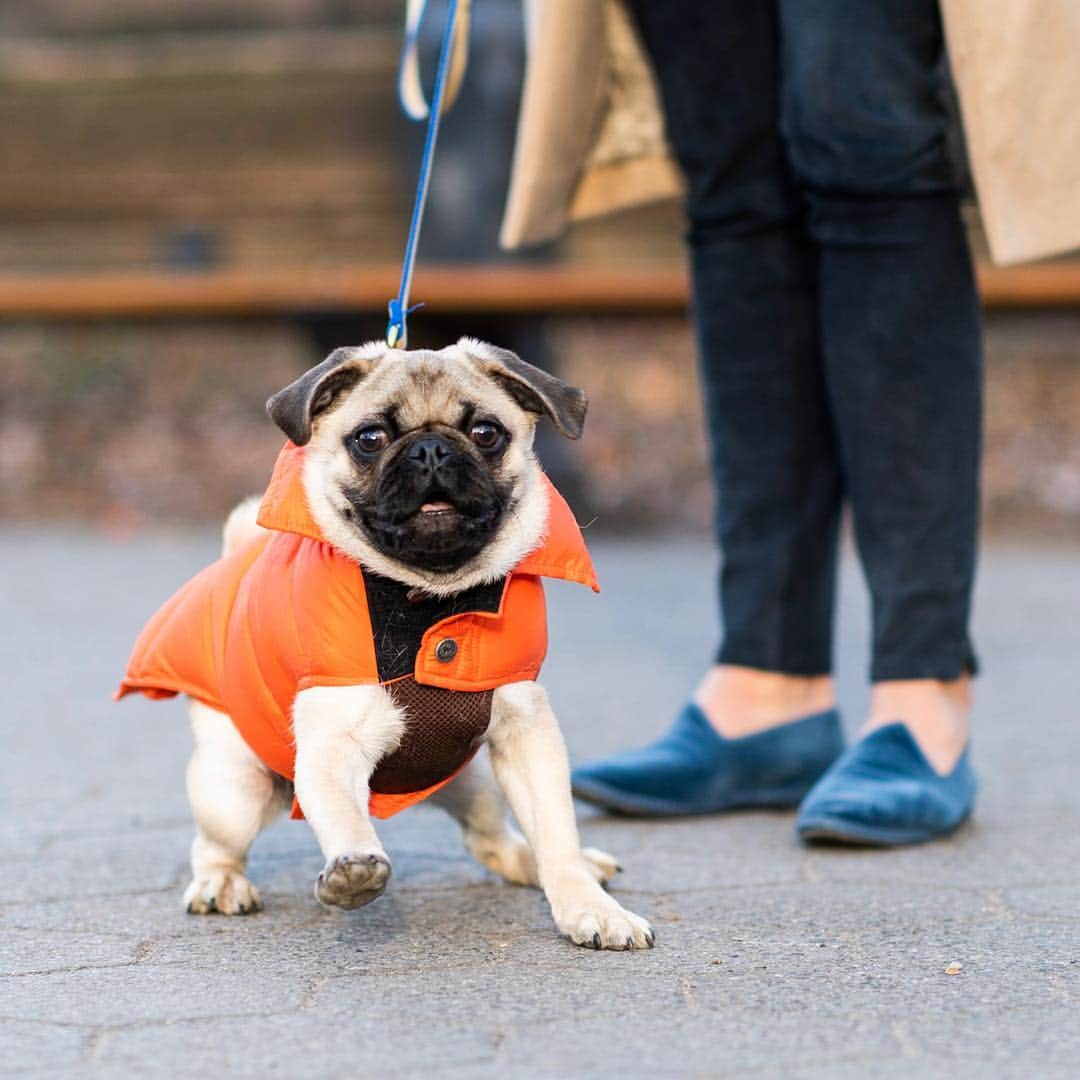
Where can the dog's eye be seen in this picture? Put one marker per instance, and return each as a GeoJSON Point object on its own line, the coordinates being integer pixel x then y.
{"type": "Point", "coordinates": [372, 439]}
{"type": "Point", "coordinates": [486, 435]}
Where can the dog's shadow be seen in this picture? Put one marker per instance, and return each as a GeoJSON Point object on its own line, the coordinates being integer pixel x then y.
{"type": "Point", "coordinates": [437, 894]}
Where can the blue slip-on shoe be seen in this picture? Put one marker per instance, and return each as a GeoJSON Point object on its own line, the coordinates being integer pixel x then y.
{"type": "Point", "coordinates": [883, 791]}
{"type": "Point", "coordinates": [694, 770]}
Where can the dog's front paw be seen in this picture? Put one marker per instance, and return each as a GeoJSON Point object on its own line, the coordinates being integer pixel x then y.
{"type": "Point", "coordinates": [224, 892]}
{"type": "Point", "coordinates": [591, 918]}
{"type": "Point", "coordinates": [353, 880]}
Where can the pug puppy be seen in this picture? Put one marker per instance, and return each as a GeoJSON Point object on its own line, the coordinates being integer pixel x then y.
{"type": "Point", "coordinates": [419, 466]}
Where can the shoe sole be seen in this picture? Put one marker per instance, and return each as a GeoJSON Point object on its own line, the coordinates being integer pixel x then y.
{"type": "Point", "coordinates": [838, 831]}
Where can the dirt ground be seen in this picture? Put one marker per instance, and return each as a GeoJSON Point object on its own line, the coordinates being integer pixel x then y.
{"type": "Point", "coordinates": [131, 425]}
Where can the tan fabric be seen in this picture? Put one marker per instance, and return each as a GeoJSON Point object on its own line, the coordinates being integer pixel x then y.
{"type": "Point", "coordinates": [1017, 68]}
{"type": "Point", "coordinates": [590, 132]}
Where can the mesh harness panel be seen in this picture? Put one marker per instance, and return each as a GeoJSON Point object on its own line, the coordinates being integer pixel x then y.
{"type": "Point", "coordinates": [442, 727]}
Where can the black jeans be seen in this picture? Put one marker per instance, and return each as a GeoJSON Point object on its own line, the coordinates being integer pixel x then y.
{"type": "Point", "coordinates": [836, 316]}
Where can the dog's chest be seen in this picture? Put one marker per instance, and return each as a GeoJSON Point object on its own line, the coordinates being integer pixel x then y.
{"type": "Point", "coordinates": [442, 727]}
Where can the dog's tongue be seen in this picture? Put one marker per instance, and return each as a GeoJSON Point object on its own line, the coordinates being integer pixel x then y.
{"type": "Point", "coordinates": [435, 507]}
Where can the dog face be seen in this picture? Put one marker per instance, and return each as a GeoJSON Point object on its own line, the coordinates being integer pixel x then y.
{"type": "Point", "coordinates": [419, 464]}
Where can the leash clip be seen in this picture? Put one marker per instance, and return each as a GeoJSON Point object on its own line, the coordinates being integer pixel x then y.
{"type": "Point", "coordinates": [395, 329]}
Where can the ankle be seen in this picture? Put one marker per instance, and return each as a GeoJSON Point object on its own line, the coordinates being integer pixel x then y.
{"type": "Point", "coordinates": [935, 711]}
{"type": "Point", "coordinates": [739, 701]}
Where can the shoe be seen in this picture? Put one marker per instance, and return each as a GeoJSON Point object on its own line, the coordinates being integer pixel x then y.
{"type": "Point", "coordinates": [883, 791]}
{"type": "Point", "coordinates": [694, 770]}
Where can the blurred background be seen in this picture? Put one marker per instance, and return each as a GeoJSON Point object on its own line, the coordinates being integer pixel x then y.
{"type": "Point", "coordinates": [200, 200]}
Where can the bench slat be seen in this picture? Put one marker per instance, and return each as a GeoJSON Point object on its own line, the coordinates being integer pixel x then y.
{"type": "Point", "coordinates": [513, 289]}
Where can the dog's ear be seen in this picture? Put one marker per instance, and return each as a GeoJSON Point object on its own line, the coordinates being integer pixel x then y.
{"type": "Point", "coordinates": [534, 390]}
{"type": "Point", "coordinates": [294, 409]}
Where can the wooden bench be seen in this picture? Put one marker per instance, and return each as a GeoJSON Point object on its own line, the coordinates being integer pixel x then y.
{"type": "Point", "coordinates": [511, 289]}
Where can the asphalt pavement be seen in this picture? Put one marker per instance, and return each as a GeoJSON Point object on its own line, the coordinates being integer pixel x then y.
{"type": "Point", "coordinates": [772, 960]}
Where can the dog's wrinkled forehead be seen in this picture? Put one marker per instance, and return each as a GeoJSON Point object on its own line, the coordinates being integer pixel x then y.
{"type": "Point", "coordinates": [427, 387]}
{"type": "Point", "coordinates": [424, 388]}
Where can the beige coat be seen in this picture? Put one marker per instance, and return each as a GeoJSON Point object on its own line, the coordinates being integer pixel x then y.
{"type": "Point", "coordinates": [591, 137]}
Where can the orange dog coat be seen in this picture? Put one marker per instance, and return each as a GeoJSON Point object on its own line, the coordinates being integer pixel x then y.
{"type": "Point", "coordinates": [287, 612]}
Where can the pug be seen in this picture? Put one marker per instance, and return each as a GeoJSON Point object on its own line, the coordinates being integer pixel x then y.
{"type": "Point", "coordinates": [376, 623]}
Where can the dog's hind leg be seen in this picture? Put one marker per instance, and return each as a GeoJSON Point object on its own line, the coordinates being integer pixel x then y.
{"type": "Point", "coordinates": [233, 795]}
{"type": "Point", "coordinates": [475, 801]}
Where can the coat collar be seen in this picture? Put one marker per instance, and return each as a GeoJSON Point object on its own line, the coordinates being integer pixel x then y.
{"type": "Point", "coordinates": [562, 555]}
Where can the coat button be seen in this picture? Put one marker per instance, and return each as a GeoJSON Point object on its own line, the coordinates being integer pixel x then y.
{"type": "Point", "coordinates": [446, 650]}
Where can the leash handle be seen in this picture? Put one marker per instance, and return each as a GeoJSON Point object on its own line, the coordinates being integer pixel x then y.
{"type": "Point", "coordinates": [453, 57]}
{"type": "Point", "coordinates": [410, 89]}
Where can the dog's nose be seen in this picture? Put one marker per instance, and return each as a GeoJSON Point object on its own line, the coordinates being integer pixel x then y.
{"type": "Point", "coordinates": [430, 451]}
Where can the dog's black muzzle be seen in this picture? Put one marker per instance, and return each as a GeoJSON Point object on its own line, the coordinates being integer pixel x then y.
{"type": "Point", "coordinates": [435, 506]}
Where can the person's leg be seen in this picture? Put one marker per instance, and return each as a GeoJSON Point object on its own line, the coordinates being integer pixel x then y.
{"type": "Point", "coordinates": [865, 123]}
{"type": "Point", "coordinates": [910, 437]}
{"type": "Point", "coordinates": [754, 277]}
{"type": "Point", "coordinates": [764, 727]}
{"type": "Point", "coordinates": [865, 127]}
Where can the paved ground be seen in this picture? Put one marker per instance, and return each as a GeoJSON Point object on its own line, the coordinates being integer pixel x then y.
{"type": "Point", "coordinates": [771, 960]}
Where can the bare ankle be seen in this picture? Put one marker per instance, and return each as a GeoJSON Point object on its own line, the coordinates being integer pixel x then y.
{"type": "Point", "coordinates": [935, 711]}
{"type": "Point", "coordinates": [900, 694]}
{"type": "Point", "coordinates": [740, 700]}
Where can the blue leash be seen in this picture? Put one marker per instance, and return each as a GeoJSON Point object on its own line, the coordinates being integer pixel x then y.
{"type": "Point", "coordinates": [396, 334]}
